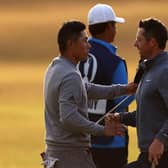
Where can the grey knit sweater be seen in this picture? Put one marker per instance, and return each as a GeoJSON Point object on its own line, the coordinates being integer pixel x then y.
{"type": "Point", "coordinates": [66, 116]}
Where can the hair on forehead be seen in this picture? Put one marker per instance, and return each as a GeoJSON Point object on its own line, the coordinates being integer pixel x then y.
{"type": "Point", "coordinates": [154, 28]}
{"type": "Point", "coordinates": [70, 30]}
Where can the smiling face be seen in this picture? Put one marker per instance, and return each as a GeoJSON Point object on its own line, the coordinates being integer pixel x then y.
{"type": "Point", "coordinates": [144, 46]}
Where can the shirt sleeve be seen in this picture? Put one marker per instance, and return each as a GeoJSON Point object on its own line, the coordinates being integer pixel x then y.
{"type": "Point", "coordinates": [128, 118]}
{"type": "Point", "coordinates": [72, 103]}
{"type": "Point", "coordinates": [96, 91]}
{"type": "Point", "coordinates": [163, 90]}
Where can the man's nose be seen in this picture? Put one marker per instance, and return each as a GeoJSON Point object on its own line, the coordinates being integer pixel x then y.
{"type": "Point", "coordinates": [89, 45]}
{"type": "Point", "coordinates": [135, 43]}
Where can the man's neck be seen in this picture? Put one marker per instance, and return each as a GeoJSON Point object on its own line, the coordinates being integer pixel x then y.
{"type": "Point", "coordinates": [103, 38]}
{"type": "Point", "coordinates": [154, 54]}
{"type": "Point", "coordinates": [70, 58]}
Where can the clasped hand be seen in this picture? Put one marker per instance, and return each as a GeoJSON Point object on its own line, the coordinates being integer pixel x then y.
{"type": "Point", "coordinates": [113, 126]}
{"type": "Point", "coordinates": [131, 88]}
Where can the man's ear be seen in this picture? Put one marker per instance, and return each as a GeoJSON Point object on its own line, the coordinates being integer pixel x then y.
{"type": "Point", "coordinates": [108, 25]}
{"type": "Point", "coordinates": [69, 43]}
{"type": "Point", "coordinates": [153, 42]}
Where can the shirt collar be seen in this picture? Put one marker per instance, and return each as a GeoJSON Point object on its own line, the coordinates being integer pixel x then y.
{"type": "Point", "coordinates": [111, 47]}
{"type": "Point", "coordinates": [156, 60]}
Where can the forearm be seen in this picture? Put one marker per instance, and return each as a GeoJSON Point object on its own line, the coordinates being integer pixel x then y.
{"type": "Point", "coordinates": [73, 121]}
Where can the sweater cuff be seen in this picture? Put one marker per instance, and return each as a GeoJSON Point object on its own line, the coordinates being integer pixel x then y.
{"type": "Point", "coordinates": [99, 130]}
{"type": "Point", "coordinates": [122, 116]}
{"type": "Point", "coordinates": [163, 137]}
{"type": "Point", "coordinates": [123, 89]}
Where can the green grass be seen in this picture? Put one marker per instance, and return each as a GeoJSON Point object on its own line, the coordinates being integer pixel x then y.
{"type": "Point", "coordinates": [21, 121]}
{"type": "Point", "coordinates": [28, 43]}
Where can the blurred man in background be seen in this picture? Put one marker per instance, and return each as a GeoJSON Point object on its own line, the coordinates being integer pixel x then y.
{"type": "Point", "coordinates": [105, 67]}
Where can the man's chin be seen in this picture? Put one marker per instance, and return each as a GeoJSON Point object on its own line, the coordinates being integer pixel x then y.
{"type": "Point", "coordinates": [141, 56]}
{"type": "Point", "coordinates": [84, 58]}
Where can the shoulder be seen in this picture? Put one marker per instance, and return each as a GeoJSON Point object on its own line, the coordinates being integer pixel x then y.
{"type": "Point", "coordinates": [73, 76]}
{"type": "Point", "coordinates": [99, 49]}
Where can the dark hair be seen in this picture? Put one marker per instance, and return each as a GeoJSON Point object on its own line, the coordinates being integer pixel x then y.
{"type": "Point", "coordinates": [98, 28]}
{"type": "Point", "coordinates": [70, 30]}
{"type": "Point", "coordinates": [156, 29]}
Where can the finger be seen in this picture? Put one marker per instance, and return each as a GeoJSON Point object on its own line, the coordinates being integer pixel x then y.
{"type": "Point", "coordinates": [109, 117]}
{"type": "Point", "coordinates": [120, 126]}
{"type": "Point", "coordinates": [119, 133]}
{"type": "Point", "coordinates": [155, 160]}
{"type": "Point", "coordinates": [107, 122]}
{"type": "Point", "coordinates": [153, 165]}
{"type": "Point", "coordinates": [120, 130]}
{"type": "Point", "coordinates": [159, 156]}
{"type": "Point", "coordinates": [124, 127]}
{"type": "Point", "coordinates": [116, 116]}
{"type": "Point", "coordinates": [150, 158]}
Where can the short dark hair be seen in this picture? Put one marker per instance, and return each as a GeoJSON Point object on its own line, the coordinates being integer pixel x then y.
{"type": "Point", "coordinates": [98, 28]}
{"type": "Point", "coordinates": [70, 30]}
{"type": "Point", "coordinates": [156, 29]}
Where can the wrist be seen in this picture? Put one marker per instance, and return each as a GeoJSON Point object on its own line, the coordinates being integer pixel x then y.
{"type": "Point", "coordinates": [163, 138]}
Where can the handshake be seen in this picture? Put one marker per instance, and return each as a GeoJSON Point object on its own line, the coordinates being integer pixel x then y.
{"type": "Point", "coordinates": [113, 126]}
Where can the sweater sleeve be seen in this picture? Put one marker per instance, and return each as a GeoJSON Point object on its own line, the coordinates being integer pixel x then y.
{"type": "Point", "coordinates": [128, 118]}
{"type": "Point", "coordinates": [162, 135]}
{"type": "Point", "coordinates": [72, 105]}
{"type": "Point", "coordinates": [96, 91]}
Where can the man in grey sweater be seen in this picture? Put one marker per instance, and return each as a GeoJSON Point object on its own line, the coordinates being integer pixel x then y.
{"type": "Point", "coordinates": [151, 116]}
{"type": "Point", "coordinates": [67, 125]}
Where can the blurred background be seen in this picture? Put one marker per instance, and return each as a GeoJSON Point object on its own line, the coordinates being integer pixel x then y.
{"type": "Point", "coordinates": [28, 30]}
